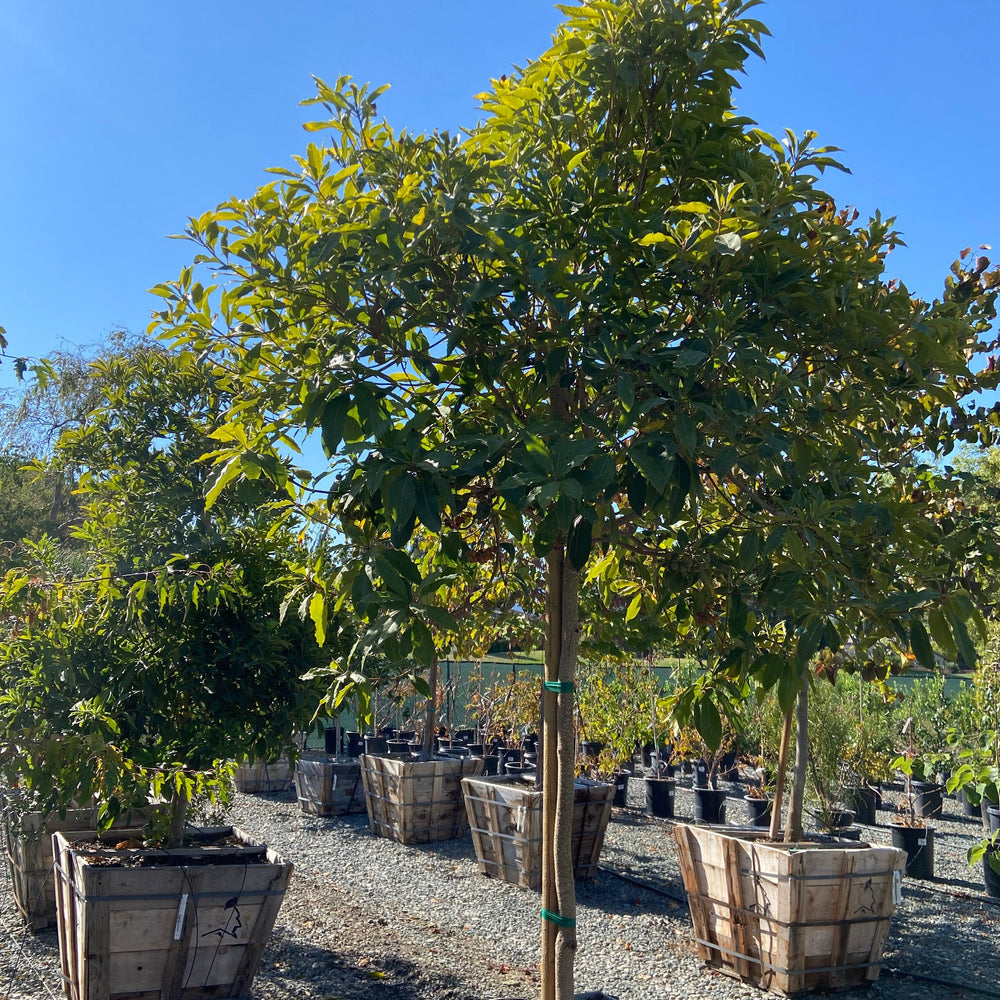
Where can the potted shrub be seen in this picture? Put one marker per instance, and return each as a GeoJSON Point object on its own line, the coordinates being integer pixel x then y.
{"type": "Point", "coordinates": [167, 656]}
{"type": "Point", "coordinates": [831, 727]}
{"type": "Point", "coordinates": [978, 773]}
{"type": "Point", "coordinates": [909, 830]}
{"type": "Point", "coordinates": [709, 799]}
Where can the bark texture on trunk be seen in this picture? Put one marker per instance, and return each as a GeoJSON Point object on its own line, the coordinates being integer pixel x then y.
{"type": "Point", "coordinates": [793, 825]}
{"type": "Point", "coordinates": [178, 817]}
{"type": "Point", "coordinates": [430, 718]}
{"type": "Point", "coordinates": [558, 889]}
{"type": "Point", "coordinates": [779, 781]}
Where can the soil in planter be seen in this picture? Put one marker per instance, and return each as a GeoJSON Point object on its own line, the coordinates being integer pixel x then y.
{"type": "Point", "coordinates": [134, 854]}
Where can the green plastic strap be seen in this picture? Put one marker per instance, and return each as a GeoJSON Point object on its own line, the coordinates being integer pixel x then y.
{"type": "Point", "coordinates": [560, 687]}
{"type": "Point", "coordinates": [560, 921]}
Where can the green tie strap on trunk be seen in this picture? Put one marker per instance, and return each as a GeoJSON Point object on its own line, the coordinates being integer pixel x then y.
{"type": "Point", "coordinates": [560, 687]}
{"type": "Point", "coordinates": [557, 919]}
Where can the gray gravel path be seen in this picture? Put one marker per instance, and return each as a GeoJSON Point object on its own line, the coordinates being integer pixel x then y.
{"type": "Point", "coordinates": [367, 918]}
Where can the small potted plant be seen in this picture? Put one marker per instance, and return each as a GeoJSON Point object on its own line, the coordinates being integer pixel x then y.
{"type": "Point", "coordinates": [760, 798]}
{"type": "Point", "coordinates": [909, 829]}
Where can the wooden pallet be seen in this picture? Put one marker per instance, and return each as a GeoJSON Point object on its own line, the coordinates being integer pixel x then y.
{"type": "Point", "coordinates": [789, 917]}
{"type": "Point", "coordinates": [505, 816]}
{"type": "Point", "coordinates": [417, 802]}
{"type": "Point", "coordinates": [181, 932]}
{"type": "Point", "coordinates": [327, 785]}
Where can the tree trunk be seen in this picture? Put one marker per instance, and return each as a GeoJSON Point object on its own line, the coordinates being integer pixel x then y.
{"type": "Point", "coordinates": [430, 719]}
{"type": "Point", "coordinates": [793, 826]}
{"type": "Point", "coordinates": [779, 781]}
{"type": "Point", "coordinates": [562, 639]}
{"type": "Point", "coordinates": [178, 816]}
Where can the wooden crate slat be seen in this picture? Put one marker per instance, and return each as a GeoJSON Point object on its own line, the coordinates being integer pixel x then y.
{"type": "Point", "coordinates": [416, 801]}
{"type": "Point", "coordinates": [326, 785]}
{"type": "Point", "coordinates": [194, 931]}
{"type": "Point", "coordinates": [506, 817]}
{"type": "Point", "coordinates": [813, 916]}
{"type": "Point", "coordinates": [261, 777]}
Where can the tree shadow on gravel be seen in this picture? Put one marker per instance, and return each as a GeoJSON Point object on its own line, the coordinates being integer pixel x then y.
{"type": "Point", "coordinates": [291, 964]}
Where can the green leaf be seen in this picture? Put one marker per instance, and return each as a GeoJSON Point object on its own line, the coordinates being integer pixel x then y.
{"type": "Point", "coordinates": [708, 722]}
{"type": "Point", "coordinates": [634, 607]}
{"type": "Point", "coordinates": [332, 422]}
{"type": "Point", "coordinates": [966, 647]}
{"type": "Point", "coordinates": [687, 432]}
{"type": "Point", "coordinates": [942, 633]}
{"type": "Point", "coordinates": [223, 477]}
{"type": "Point", "coordinates": [651, 239]}
{"type": "Point", "coordinates": [579, 542]}
{"type": "Point", "coordinates": [728, 243]}
{"type": "Point", "coordinates": [546, 533]}
{"type": "Point", "coordinates": [423, 642]}
{"type": "Point", "coordinates": [402, 564]}
{"type": "Point", "coordinates": [809, 639]}
{"type": "Point", "coordinates": [440, 617]}
{"type": "Point", "coordinates": [921, 644]}
{"type": "Point", "coordinates": [789, 685]}
{"type": "Point", "coordinates": [749, 549]}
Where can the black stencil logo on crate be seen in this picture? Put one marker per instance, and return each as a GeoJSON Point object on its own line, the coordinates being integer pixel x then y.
{"type": "Point", "coordinates": [231, 928]}
{"type": "Point", "coordinates": [869, 894]}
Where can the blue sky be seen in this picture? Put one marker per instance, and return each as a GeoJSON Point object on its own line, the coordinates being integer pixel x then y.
{"type": "Point", "coordinates": [119, 120]}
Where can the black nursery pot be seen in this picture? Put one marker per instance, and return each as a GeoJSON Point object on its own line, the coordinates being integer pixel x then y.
{"type": "Point", "coordinates": [926, 796]}
{"type": "Point", "coordinates": [709, 805]}
{"type": "Point", "coordinates": [863, 801]}
{"type": "Point", "coordinates": [375, 745]}
{"type": "Point", "coordinates": [660, 797]}
{"type": "Point", "coordinates": [991, 877]}
{"type": "Point", "coordinates": [918, 843]}
{"type": "Point", "coordinates": [355, 744]}
{"type": "Point", "coordinates": [330, 734]}
{"type": "Point", "coordinates": [621, 789]}
{"type": "Point", "coordinates": [760, 811]}
{"type": "Point", "coordinates": [991, 815]}
{"type": "Point", "coordinates": [971, 810]}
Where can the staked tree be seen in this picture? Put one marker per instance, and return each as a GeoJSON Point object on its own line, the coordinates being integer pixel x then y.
{"type": "Point", "coordinates": [616, 327]}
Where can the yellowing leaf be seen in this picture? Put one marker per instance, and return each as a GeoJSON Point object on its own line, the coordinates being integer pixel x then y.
{"type": "Point", "coordinates": [317, 612]}
{"type": "Point", "coordinates": [634, 607]}
{"type": "Point", "coordinates": [651, 238]}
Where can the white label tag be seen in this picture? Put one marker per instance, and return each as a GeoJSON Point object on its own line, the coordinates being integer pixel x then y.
{"type": "Point", "coordinates": [178, 927]}
{"type": "Point", "coordinates": [922, 842]}
{"type": "Point", "coordinates": [897, 887]}
{"type": "Point", "coordinates": [334, 782]}
{"type": "Point", "coordinates": [670, 793]}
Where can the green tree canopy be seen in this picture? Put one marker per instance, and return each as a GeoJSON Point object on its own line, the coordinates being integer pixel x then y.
{"type": "Point", "coordinates": [619, 328]}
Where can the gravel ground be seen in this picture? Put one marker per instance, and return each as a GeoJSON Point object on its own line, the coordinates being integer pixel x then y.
{"type": "Point", "coordinates": [368, 918]}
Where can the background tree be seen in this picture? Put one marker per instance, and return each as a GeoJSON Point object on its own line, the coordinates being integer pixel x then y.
{"type": "Point", "coordinates": [171, 655]}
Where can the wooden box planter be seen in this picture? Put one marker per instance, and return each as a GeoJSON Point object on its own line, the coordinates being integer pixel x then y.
{"type": "Point", "coordinates": [191, 925]}
{"type": "Point", "coordinates": [505, 816]}
{"type": "Point", "coordinates": [326, 785]}
{"type": "Point", "coordinates": [28, 844]}
{"type": "Point", "coordinates": [256, 777]}
{"type": "Point", "coordinates": [416, 802]}
{"type": "Point", "coordinates": [789, 917]}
